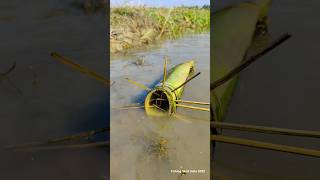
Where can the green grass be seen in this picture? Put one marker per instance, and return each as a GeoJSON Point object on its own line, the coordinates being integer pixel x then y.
{"type": "Point", "coordinates": [136, 26]}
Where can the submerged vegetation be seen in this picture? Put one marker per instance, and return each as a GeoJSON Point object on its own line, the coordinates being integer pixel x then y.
{"type": "Point", "coordinates": [136, 26]}
{"type": "Point", "coordinates": [154, 145]}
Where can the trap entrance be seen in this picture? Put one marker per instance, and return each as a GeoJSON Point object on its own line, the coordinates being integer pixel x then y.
{"type": "Point", "coordinates": [158, 102]}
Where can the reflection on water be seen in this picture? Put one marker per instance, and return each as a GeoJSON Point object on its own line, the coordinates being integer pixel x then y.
{"type": "Point", "coordinates": [145, 148]}
{"type": "Point", "coordinates": [268, 94]}
{"type": "Point", "coordinates": [54, 100]}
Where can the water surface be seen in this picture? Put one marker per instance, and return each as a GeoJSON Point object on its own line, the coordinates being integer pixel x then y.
{"type": "Point", "coordinates": [52, 99]}
{"type": "Point", "coordinates": [133, 134]}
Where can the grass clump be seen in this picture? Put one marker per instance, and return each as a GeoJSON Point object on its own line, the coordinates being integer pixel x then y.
{"type": "Point", "coordinates": [136, 26]}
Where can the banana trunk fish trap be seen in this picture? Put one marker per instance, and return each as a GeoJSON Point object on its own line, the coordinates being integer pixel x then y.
{"type": "Point", "coordinates": [162, 99]}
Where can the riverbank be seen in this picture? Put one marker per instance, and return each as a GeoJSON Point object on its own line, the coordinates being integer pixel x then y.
{"type": "Point", "coordinates": [133, 129]}
{"type": "Point", "coordinates": [137, 26]}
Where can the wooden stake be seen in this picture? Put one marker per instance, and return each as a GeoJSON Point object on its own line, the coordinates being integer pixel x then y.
{"type": "Point", "coordinates": [265, 145]}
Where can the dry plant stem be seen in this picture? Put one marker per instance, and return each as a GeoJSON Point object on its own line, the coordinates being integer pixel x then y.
{"type": "Point", "coordinates": [133, 27]}
{"type": "Point", "coordinates": [265, 145]}
{"type": "Point", "coordinates": [264, 129]}
{"type": "Point", "coordinates": [165, 23]}
{"type": "Point", "coordinates": [248, 62]}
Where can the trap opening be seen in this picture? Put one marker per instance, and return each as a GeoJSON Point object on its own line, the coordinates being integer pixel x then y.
{"type": "Point", "coordinates": [159, 100]}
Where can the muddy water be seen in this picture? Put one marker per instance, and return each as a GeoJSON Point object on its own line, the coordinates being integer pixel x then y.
{"type": "Point", "coordinates": [280, 90]}
{"type": "Point", "coordinates": [135, 137]}
{"type": "Point", "coordinates": [52, 100]}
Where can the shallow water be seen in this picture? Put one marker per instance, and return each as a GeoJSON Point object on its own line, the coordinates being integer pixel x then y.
{"type": "Point", "coordinates": [62, 101]}
{"type": "Point", "coordinates": [133, 134]}
{"type": "Point", "coordinates": [280, 90]}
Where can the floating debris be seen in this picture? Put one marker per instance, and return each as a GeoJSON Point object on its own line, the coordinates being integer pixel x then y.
{"type": "Point", "coordinates": [154, 145]}
{"type": "Point", "coordinates": [139, 62]}
{"type": "Point", "coordinates": [159, 147]}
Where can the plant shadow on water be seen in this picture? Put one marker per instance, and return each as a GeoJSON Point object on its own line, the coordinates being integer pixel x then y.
{"type": "Point", "coordinates": [93, 117]}
{"type": "Point", "coordinates": [56, 101]}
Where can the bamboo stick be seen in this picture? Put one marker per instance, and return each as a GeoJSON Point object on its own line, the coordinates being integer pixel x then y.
{"type": "Point", "coordinates": [157, 107]}
{"type": "Point", "coordinates": [164, 72]}
{"type": "Point", "coordinates": [248, 62]}
{"type": "Point", "coordinates": [193, 102]}
{"type": "Point", "coordinates": [60, 139]}
{"type": "Point", "coordinates": [128, 107]}
{"type": "Point", "coordinates": [138, 84]}
{"type": "Point", "coordinates": [80, 68]}
{"type": "Point", "coordinates": [186, 81]}
{"type": "Point", "coordinates": [264, 129]}
{"type": "Point", "coordinates": [265, 145]}
{"type": "Point", "coordinates": [67, 146]}
{"type": "Point", "coordinates": [192, 107]}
